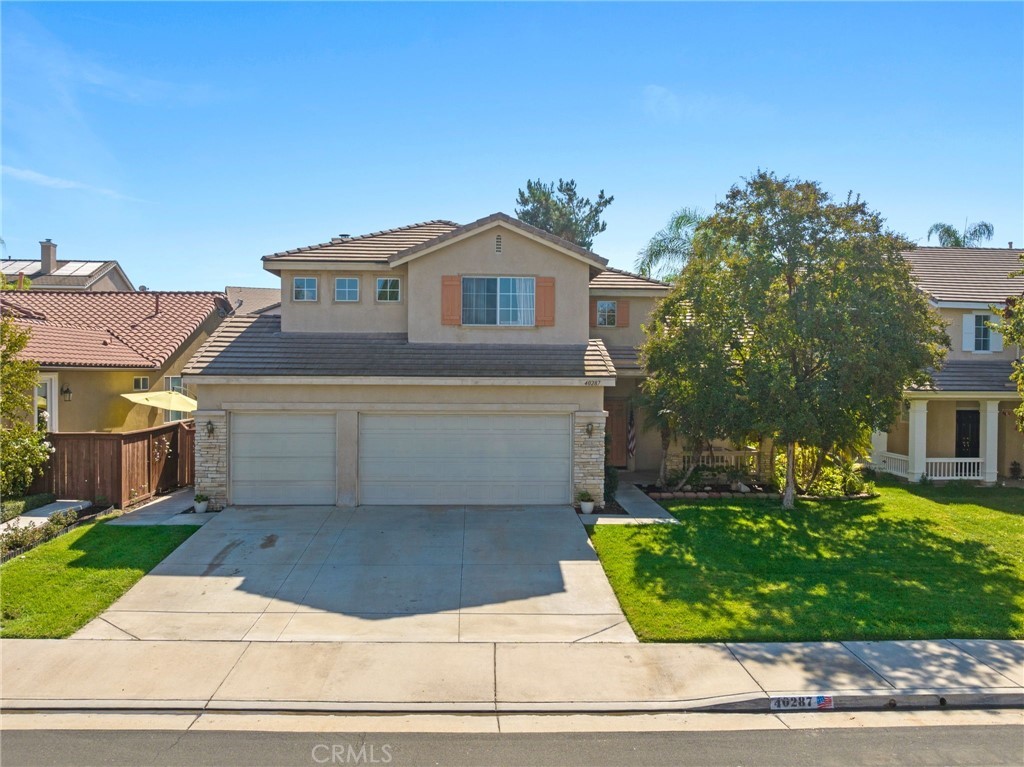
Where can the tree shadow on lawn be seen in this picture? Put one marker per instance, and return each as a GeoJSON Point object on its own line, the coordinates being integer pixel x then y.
{"type": "Point", "coordinates": [733, 572]}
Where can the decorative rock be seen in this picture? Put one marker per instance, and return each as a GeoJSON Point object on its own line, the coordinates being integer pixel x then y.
{"type": "Point", "coordinates": [687, 488]}
{"type": "Point", "coordinates": [702, 495]}
{"type": "Point", "coordinates": [742, 488]}
{"type": "Point", "coordinates": [707, 489]}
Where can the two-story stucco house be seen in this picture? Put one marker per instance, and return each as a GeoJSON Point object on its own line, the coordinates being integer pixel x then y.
{"type": "Point", "coordinates": [962, 426]}
{"type": "Point", "coordinates": [430, 364]}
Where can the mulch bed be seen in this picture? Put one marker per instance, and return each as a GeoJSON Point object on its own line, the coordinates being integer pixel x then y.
{"type": "Point", "coordinates": [610, 507]}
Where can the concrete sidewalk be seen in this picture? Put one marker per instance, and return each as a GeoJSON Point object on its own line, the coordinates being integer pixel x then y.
{"type": "Point", "coordinates": [85, 675]}
{"type": "Point", "coordinates": [38, 517]}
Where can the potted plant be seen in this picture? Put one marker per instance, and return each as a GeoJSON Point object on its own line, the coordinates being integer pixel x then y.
{"type": "Point", "coordinates": [201, 502]}
{"type": "Point", "coordinates": [586, 502]}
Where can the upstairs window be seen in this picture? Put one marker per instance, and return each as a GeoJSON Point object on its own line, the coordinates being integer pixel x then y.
{"type": "Point", "coordinates": [346, 289]}
{"type": "Point", "coordinates": [606, 311]}
{"type": "Point", "coordinates": [140, 383]}
{"type": "Point", "coordinates": [388, 290]}
{"type": "Point", "coordinates": [304, 289]}
{"type": "Point", "coordinates": [506, 301]}
{"type": "Point", "coordinates": [982, 333]}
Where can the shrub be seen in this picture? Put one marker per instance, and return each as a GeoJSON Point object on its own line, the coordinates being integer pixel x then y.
{"type": "Point", "coordinates": [15, 507]}
{"type": "Point", "coordinates": [22, 537]}
{"type": "Point", "coordinates": [837, 477]}
{"type": "Point", "coordinates": [611, 483]}
{"type": "Point", "coordinates": [23, 450]}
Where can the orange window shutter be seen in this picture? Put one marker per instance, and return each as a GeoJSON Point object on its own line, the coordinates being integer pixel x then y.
{"type": "Point", "coordinates": [545, 313]}
{"type": "Point", "coordinates": [622, 314]}
{"type": "Point", "coordinates": [593, 312]}
{"type": "Point", "coordinates": [451, 300]}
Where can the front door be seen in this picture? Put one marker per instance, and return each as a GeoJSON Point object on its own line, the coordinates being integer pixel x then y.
{"type": "Point", "coordinates": [617, 427]}
{"type": "Point", "coordinates": [968, 427]}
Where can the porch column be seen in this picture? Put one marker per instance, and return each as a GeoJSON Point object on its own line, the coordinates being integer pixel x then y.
{"type": "Point", "coordinates": [989, 441]}
{"type": "Point", "coordinates": [918, 443]}
{"type": "Point", "coordinates": [879, 445]}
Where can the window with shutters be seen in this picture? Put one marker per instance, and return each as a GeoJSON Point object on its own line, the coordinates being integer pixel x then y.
{"type": "Point", "coordinates": [503, 301]}
{"type": "Point", "coordinates": [606, 312]}
{"type": "Point", "coordinates": [982, 333]}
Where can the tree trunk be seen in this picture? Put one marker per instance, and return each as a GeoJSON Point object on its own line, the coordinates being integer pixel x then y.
{"type": "Point", "coordinates": [694, 458]}
{"type": "Point", "coordinates": [788, 496]}
{"type": "Point", "coordinates": [666, 439]}
{"type": "Point", "coordinates": [819, 463]}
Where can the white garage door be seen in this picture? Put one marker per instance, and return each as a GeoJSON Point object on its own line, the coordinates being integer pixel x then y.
{"type": "Point", "coordinates": [283, 458]}
{"type": "Point", "coordinates": [464, 459]}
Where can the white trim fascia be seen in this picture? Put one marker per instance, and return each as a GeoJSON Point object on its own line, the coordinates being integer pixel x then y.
{"type": "Point", "coordinates": [199, 379]}
{"type": "Point", "coordinates": [401, 407]}
{"type": "Point", "coordinates": [323, 264]}
{"type": "Point", "coordinates": [945, 395]}
{"type": "Point", "coordinates": [487, 227]}
{"type": "Point", "coordinates": [976, 305]}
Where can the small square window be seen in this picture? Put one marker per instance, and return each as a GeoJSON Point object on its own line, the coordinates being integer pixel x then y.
{"type": "Point", "coordinates": [140, 383]}
{"type": "Point", "coordinates": [388, 290]}
{"type": "Point", "coordinates": [606, 311]}
{"type": "Point", "coordinates": [346, 289]}
{"type": "Point", "coordinates": [982, 333]}
{"type": "Point", "coordinates": [304, 289]}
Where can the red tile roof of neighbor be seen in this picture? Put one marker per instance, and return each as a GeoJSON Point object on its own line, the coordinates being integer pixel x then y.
{"type": "Point", "coordinates": [115, 329]}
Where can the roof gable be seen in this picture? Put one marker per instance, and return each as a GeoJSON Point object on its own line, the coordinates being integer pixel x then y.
{"type": "Point", "coordinates": [73, 325]}
{"type": "Point", "coordinates": [619, 279]}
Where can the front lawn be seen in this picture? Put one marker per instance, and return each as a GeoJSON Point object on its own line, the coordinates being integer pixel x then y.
{"type": "Point", "coordinates": [58, 587]}
{"type": "Point", "coordinates": [917, 562]}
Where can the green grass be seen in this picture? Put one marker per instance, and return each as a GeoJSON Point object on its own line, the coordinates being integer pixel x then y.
{"type": "Point", "coordinates": [917, 562]}
{"type": "Point", "coordinates": [15, 507]}
{"type": "Point", "coordinates": [58, 587]}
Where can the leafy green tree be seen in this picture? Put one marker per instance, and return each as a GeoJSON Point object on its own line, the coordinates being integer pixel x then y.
{"type": "Point", "coordinates": [23, 445]}
{"type": "Point", "coordinates": [559, 209]}
{"type": "Point", "coordinates": [1012, 328]}
{"type": "Point", "coordinates": [669, 250]}
{"type": "Point", "coordinates": [971, 236]}
{"type": "Point", "coordinates": [691, 388]}
{"type": "Point", "coordinates": [826, 329]}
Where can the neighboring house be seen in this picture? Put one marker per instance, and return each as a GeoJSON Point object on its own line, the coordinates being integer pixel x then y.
{"type": "Point", "coordinates": [430, 364]}
{"type": "Point", "coordinates": [94, 347]}
{"type": "Point", "coordinates": [962, 426]}
{"type": "Point", "coordinates": [254, 300]}
{"type": "Point", "coordinates": [50, 274]}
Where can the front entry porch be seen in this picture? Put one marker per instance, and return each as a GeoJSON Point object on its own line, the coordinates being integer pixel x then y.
{"type": "Point", "coordinates": [942, 439]}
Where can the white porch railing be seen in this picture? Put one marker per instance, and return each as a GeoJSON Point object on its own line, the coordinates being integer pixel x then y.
{"type": "Point", "coordinates": [935, 468]}
{"type": "Point", "coordinates": [953, 468]}
{"type": "Point", "coordinates": [894, 463]}
{"type": "Point", "coordinates": [744, 460]}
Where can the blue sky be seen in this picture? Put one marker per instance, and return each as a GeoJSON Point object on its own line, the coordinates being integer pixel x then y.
{"type": "Point", "coordinates": [187, 140]}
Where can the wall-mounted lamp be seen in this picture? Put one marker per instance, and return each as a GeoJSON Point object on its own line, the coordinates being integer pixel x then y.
{"type": "Point", "coordinates": [210, 428]}
{"type": "Point", "coordinates": [65, 392]}
{"type": "Point", "coordinates": [590, 430]}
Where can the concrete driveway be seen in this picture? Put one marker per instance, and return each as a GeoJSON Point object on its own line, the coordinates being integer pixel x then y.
{"type": "Point", "coordinates": [391, 574]}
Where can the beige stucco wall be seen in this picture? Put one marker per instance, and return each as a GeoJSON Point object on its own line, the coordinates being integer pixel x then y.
{"type": "Point", "coordinates": [96, 402]}
{"type": "Point", "coordinates": [520, 257]}
{"type": "Point", "coordinates": [325, 315]}
{"type": "Point", "coordinates": [110, 281]}
{"type": "Point", "coordinates": [1011, 440]}
{"type": "Point", "coordinates": [639, 312]}
{"type": "Point", "coordinates": [899, 437]}
{"type": "Point", "coordinates": [346, 402]}
{"type": "Point", "coordinates": [954, 327]}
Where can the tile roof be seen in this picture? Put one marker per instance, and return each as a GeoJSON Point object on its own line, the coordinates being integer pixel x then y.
{"type": "Point", "coordinates": [255, 346]}
{"type": "Point", "coordinates": [373, 247]}
{"type": "Point", "coordinates": [73, 323]}
{"type": "Point", "coordinates": [971, 375]}
{"type": "Point", "coordinates": [624, 357]}
{"type": "Point", "coordinates": [253, 300]}
{"type": "Point", "coordinates": [508, 220]}
{"type": "Point", "coordinates": [967, 274]}
{"type": "Point", "coordinates": [619, 279]}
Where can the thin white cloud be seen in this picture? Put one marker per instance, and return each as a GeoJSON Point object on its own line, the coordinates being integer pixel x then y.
{"type": "Point", "coordinates": [52, 182]}
{"type": "Point", "coordinates": [661, 103]}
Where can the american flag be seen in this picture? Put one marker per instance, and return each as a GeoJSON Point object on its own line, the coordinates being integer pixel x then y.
{"type": "Point", "coordinates": [825, 702]}
{"type": "Point", "coordinates": [631, 435]}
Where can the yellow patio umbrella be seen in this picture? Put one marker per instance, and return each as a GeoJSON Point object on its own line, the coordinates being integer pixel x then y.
{"type": "Point", "coordinates": [165, 400]}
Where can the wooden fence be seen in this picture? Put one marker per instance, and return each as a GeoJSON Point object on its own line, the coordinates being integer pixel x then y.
{"type": "Point", "coordinates": [119, 468]}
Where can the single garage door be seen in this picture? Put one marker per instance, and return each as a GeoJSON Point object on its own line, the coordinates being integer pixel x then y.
{"type": "Point", "coordinates": [283, 458]}
{"type": "Point", "coordinates": [464, 459]}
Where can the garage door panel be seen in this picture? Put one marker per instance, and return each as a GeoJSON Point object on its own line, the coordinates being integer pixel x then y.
{"type": "Point", "coordinates": [472, 459]}
{"type": "Point", "coordinates": [283, 458]}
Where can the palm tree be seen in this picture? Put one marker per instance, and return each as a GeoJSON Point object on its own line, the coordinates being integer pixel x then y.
{"type": "Point", "coordinates": [670, 249]}
{"type": "Point", "coordinates": [970, 237]}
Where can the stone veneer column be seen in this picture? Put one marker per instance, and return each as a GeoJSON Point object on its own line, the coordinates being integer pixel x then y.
{"type": "Point", "coordinates": [212, 456]}
{"type": "Point", "coordinates": [588, 455]}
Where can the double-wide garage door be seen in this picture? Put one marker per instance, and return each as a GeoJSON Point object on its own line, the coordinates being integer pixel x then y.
{"type": "Point", "coordinates": [285, 458]}
{"type": "Point", "coordinates": [464, 459]}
